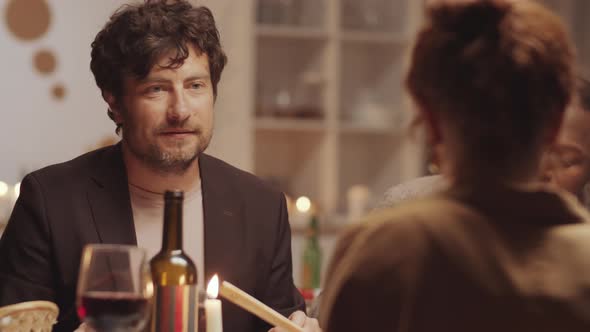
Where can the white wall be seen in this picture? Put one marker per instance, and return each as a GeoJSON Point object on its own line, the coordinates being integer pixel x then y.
{"type": "Point", "coordinates": [233, 139]}
{"type": "Point", "coordinates": [575, 15]}
{"type": "Point", "coordinates": [37, 130]}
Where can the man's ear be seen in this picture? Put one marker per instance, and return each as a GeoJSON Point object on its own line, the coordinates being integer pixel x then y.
{"type": "Point", "coordinates": [113, 106]}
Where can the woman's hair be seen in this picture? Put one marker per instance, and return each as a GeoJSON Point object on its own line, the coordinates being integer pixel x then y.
{"type": "Point", "coordinates": [499, 71]}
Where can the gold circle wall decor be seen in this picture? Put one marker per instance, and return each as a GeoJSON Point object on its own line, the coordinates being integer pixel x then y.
{"type": "Point", "coordinates": [58, 91]}
{"type": "Point", "coordinates": [44, 62]}
{"type": "Point", "coordinates": [27, 19]}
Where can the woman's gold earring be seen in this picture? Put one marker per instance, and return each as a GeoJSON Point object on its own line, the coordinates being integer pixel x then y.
{"type": "Point", "coordinates": [433, 168]}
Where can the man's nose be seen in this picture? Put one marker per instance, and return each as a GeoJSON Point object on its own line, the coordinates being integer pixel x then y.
{"type": "Point", "coordinates": [549, 164]}
{"type": "Point", "coordinates": [547, 176]}
{"type": "Point", "coordinates": [548, 171]}
{"type": "Point", "coordinates": [178, 110]}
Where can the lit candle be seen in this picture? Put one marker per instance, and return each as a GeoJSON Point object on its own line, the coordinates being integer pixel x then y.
{"type": "Point", "coordinates": [213, 306]}
{"type": "Point", "coordinates": [3, 189]}
{"type": "Point", "coordinates": [302, 211]}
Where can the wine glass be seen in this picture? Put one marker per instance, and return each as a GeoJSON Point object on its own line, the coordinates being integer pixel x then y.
{"type": "Point", "coordinates": [114, 288]}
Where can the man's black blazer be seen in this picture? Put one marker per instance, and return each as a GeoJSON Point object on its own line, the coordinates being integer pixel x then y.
{"type": "Point", "coordinates": [63, 207]}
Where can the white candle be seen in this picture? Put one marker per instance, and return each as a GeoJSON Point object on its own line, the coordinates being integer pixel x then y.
{"type": "Point", "coordinates": [213, 306]}
{"type": "Point", "coordinates": [358, 199]}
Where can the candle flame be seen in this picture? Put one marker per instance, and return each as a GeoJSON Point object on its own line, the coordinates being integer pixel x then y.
{"type": "Point", "coordinates": [303, 204]}
{"type": "Point", "coordinates": [213, 287]}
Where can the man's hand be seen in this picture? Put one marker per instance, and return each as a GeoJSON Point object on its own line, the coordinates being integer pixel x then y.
{"type": "Point", "coordinates": [301, 319]}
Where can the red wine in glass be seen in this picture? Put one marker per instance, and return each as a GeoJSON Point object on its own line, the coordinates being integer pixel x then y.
{"type": "Point", "coordinates": [114, 311]}
{"type": "Point", "coordinates": [114, 288]}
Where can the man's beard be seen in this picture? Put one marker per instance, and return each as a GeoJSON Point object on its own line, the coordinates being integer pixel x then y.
{"type": "Point", "coordinates": [173, 161]}
{"type": "Point", "coordinates": [165, 161]}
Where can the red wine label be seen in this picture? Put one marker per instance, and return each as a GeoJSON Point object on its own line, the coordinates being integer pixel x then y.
{"type": "Point", "coordinates": [175, 309]}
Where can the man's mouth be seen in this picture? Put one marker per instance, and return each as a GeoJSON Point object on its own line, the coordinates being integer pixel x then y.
{"type": "Point", "coordinates": [179, 133]}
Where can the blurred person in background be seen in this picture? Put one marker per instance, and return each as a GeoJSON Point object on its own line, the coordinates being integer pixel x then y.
{"type": "Point", "coordinates": [566, 163]}
{"type": "Point", "coordinates": [157, 65]}
{"type": "Point", "coordinates": [497, 250]}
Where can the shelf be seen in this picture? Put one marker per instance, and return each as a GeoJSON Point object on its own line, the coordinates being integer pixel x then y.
{"type": "Point", "coordinates": [290, 32]}
{"type": "Point", "coordinates": [362, 128]}
{"type": "Point", "coordinates": [290, 124]}
{"type": "Point", "coordinates": [349, 55]}
{"type": "Point", "coordinates": [374, 37]}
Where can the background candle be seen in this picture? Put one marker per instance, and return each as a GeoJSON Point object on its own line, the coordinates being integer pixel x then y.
{"type": "Point", "coordinates": [358, 200]}
{"type": "Point", "coordinates": [213, 306]}
{"type": "Point", "coordinates": [302, 214]}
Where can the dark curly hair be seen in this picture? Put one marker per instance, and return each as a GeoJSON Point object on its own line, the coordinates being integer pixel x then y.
{"type": "Point", "coordinates": [137, 36]}
{"type": "Point", "coordinates": [502, 70]}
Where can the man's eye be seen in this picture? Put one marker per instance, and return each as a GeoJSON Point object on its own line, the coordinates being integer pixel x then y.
{"type": "Point", "coordinates": [571, 160]}
{"type": "Point", "coordinates": [197, 85]}
{"type": "Point", "coordinates": [154, 89]}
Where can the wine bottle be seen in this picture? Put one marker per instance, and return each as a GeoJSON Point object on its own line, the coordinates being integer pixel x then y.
{"type": "Point", "coordinates": [174, 275]}
{"type": "Point", "coordinates": [312, 257]}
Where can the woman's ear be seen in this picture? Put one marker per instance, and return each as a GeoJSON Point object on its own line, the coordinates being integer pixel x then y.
{"type": "Point", "coordinates": [432, 125]}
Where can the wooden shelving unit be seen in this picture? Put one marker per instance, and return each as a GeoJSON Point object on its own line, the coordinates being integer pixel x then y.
{"type": "Point", "coordinates": [354, 71]}
{"type": "Point", "coordinates": [379, 38]}
{"type": "Point", "coordinates": [347, 77]}
{"type": "Point", "coordinates": [289, 32]}
{"type": "Point", "coordinates": [289, 124]}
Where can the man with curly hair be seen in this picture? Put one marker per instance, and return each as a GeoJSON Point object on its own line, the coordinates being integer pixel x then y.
{"type": "Point", "coordinates": [157, 65]}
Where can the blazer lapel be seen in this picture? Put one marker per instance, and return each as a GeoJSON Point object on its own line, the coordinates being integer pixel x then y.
{"type": "Point", "coordinates": [223, 224]}
{"type": "Point", "coordinates": [110, 204]}
{"type": "Point", "coordinates": [108, 197]}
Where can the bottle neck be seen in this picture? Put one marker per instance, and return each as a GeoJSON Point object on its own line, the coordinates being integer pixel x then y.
{"type": "Point", "coordinates": [312, 235]}
{"type": "Point", "coordinates": [312, 241]}
{"type": "Point", "coordinates": [172, 238]}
